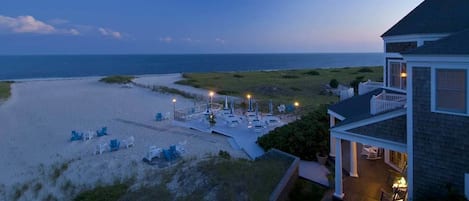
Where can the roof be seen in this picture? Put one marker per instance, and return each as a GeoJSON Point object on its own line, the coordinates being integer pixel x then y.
{"type": "Point", "coordinates": [358, 107]}
{"type": "Point", "coordinates": [433, 16]}
{"type": "Point", "coordinates": [455, 44]}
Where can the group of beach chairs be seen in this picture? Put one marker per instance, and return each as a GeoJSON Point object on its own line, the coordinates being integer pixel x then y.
{"type": "Point", "coordinates": [114, 145]}
{"type": "Point", "coordinates": [77, 136]}
{"type": "Point", "coordinates": [160, 117]}
{"type": "Point", "coordinates": [101, 147]}
{"type": "Point", "coordinates": [173, 153]}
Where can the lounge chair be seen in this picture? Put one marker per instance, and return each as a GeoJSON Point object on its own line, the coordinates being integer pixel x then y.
{"type": "Point", "coordinates": [173, 151]}
{"type": "Point", "coordinates": [114, 145]}
{"type": "Point", "coordinates": [100, 148]}
{"type": "Point", "coordinates": [159, 116]}
{"type": "Point", "coordinates": [76, 136]}
{"type": "Point", "coordinates": [129, 142]}
{"type": "Point", "coordinates": [153, 152]}
{"type": "Point", "coordinates": [167, 155]}
{"type": "Point", "coordinates": [101, 132]}
{"type": "Point", "coordinates": [88, 135]}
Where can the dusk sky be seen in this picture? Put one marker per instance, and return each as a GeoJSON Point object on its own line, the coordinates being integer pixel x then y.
{"type": "Point", "coordinates": [196, 26]}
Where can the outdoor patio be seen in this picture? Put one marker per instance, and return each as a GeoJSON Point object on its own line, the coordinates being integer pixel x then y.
{"type": "Point", "coordinates": [373, 175]}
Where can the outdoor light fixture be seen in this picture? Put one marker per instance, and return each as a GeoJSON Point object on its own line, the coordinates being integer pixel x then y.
{"type": "Point", "coordinates": [174, 108]}
{"type": "Point", "coordinates": [296, 104]}
{"type": "Point", "coordinates": [403, 74]}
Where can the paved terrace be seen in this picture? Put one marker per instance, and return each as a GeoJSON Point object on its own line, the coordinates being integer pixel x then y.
{"type": "Point", "coordinates": [244, 137]}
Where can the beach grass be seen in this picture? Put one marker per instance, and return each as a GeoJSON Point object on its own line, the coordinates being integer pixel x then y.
{"type": "Point", "coordinates": [284, 86]}
{"type": "Point", "coordinates": [5, 89]}
{"type": "Point", "coordinates": [117, 79]}
{"type": "Point", "coordinates": [306, 190]}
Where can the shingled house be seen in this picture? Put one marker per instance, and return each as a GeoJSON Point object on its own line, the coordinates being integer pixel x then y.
{"type": "Point", "coordinates": [417, 120]}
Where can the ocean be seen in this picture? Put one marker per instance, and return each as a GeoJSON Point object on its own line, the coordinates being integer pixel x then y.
{"type": "Point", "coordinates": [63, 66]}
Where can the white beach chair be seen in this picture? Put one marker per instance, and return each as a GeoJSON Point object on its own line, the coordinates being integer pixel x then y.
{"type": "Point", "coordinates": [153, 152]}
{"type": "Point", "coordinates": [88, 135]}
{"type": "Point", "coordinates": [181, 147]}
{"type": "Point", "coordinates": [129, 142]}
{"type": "Point", "coordinates": [100, 148]}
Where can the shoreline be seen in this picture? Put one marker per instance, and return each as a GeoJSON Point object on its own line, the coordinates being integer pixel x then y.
{"type": "Point", "coordinates": [165, 74]}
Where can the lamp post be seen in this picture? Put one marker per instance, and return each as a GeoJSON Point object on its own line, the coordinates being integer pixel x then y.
{"type": "Point", "coordinates": [211, 93]}
{"type": "Point", "coordinates": [249, 100]}
{"type": "Point", "coordinates": [297, 105]}
{"type": "Point", "coordinates": [174, 108]}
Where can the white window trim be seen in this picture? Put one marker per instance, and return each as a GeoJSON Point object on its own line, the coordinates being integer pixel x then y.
{"type": "Point", "coordinates": [388, 76]}
{"type": "Point", "coordinates": [433, 90]}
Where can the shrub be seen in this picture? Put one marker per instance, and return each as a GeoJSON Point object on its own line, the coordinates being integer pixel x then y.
{"type": "Point", "coordinates": [238, 76]}
{"type": "Point", "coordinates": [113, 192]}
{"type": "Point", "coordinates": [311, 72]}
{"type": "Point", "coordinates": [365, 70]}
{"type": "Point", "coordinates": [334, 83]}
{"type": "Point", "coordinates": [117, 79]}
{"type": "Point", "coordinates": [224, 154]}
{"type": "Point", "coordinates": [303, 138]}
{"type": "Point", "coordinates": [290, 76]}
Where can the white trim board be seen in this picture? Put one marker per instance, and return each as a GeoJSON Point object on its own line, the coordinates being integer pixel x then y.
{"type": "Point", "coordinates": [373, 119]}
{"type": "Point", "coordinates": [387, 144]}
{"type": "Point", "coordinates": [338, 116]}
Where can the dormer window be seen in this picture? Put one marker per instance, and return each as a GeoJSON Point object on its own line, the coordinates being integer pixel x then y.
{"type": "Point", "coordinates": [397, 75]}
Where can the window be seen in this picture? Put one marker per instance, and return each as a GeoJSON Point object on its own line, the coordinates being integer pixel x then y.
{"type": "Point", "coordinates": [397, 74]}
{"type": "Point", "coordinates": [450, 90]}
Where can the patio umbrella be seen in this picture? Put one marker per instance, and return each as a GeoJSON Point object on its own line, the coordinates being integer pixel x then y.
{"type": "Point", "coordinates": [271, 107]}
{"type": "Point", "coordinates": [226, 103]}
{"type": "Point", "coordinates": [232, 106]}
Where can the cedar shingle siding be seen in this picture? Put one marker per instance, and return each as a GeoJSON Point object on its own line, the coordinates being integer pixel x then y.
{"type": "Point", "coordinates": [440, 141]}
{"type": "Point", "coordinates": [400, 47]}
{"type": "Point", "coordinates": [394, 129]}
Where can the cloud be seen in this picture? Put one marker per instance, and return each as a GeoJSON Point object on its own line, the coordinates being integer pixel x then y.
{"type": "Point", "coordinates": [166, 39]}
{"type": "Point", "coordinates": [189, 40]}
{"type": "Point", "coordinates": [220, 41]}
{"type": "Point", "coordinates": [109, 33]}
{"type": "Point", "coordinates": [25, 24]}
{"type": "Point", "coordinates": [29, 24]}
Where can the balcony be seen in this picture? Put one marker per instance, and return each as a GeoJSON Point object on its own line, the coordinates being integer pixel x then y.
{"type": "Point", "coordinates": [365, 87]}
{"type": "Point", "coordinates": [386, 101]}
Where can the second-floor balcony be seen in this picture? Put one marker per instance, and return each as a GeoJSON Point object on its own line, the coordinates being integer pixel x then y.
{"type": "Point", "coordinates": [365, 87]}
{"type": "Point", "coordinates": [386, 101]}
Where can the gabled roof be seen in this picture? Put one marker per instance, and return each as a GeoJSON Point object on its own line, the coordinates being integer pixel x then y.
{"type": "Point", "coordinates": [433, 16]}
{"type": "Point", "coordinates": [357, 108]}
{"type": "Point", "coordinates": [455, 44]}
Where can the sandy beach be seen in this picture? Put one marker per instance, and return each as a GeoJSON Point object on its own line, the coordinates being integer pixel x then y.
{"type": "Point", "coordinates": [37, 120]}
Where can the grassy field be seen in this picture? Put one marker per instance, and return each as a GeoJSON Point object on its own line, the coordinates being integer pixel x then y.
{"type": "Point", "coordinates": [283, 87]}
{"type": "Point", "coordinates": [5, 90]}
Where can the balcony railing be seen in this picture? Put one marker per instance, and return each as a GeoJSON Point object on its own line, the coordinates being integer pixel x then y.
{"type": "Point", "coordinates": [386, 101]}
{"type": "Point", "coordinates": [365, 87]}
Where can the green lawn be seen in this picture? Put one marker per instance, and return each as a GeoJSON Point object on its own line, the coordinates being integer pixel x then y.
{"type": "Point", "coordinates": [283, 87]}
{"type": "Point", "coordinates": [117, 79]}
{"type": "Point", "coordinates": [5, 90]}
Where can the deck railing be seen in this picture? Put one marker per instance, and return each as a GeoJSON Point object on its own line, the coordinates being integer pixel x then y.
{"type": "Point", "coordinates": [386, 101]}
{"type": "Point", "coordinates": [365, 87]}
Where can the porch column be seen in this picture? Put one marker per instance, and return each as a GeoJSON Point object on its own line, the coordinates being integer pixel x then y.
{"type": "Point", "coordinates": [338, 169]}
{"type": "Point", "coordinates": [332, 139]}
{"type": "Point", "coordinates": [353, 159]}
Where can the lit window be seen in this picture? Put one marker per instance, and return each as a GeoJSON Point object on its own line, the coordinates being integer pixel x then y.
{"type": "Point", "coordinates": [397, 75]}
{"type": "Point", "coordinates": [451, 90]}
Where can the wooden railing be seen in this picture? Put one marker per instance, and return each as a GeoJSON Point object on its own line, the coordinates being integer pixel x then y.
{"type": "Point", "coordinates": [365, 87]}
{"type": "Point", "coordinates": [386, 101]}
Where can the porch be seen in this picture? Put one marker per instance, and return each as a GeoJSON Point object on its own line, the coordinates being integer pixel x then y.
{"type": "Point", "coordinates": [375, 177]}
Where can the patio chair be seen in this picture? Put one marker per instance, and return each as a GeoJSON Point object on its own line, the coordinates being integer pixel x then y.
{"type": "Point", "coordinates": [172, 150]}
{"type": "Point", "coordinates": [159, 116]}
{"type": "Point", "coordinates": [100, 148]}
{"type": "Point", "coordinates": [167, 155]}
{"type": "Point", "coordinates": [76, 136]}
{"type": "Point", "coordinates": [88, 135]}
{"type": "Point", "coordinates": [101, 132]}
{"type": "Point", "coordinates": [114, 145]}
{"type": "Point", "coordinates": [129, 142]}
{"type": "Point", "coordinates": [153, 152]}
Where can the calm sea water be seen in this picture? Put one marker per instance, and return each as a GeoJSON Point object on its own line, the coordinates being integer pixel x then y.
{"type": "Point", "coordinates": [20, 67]}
